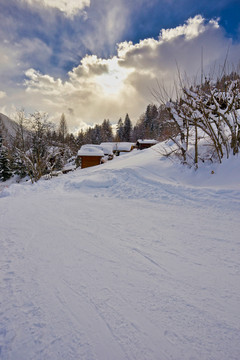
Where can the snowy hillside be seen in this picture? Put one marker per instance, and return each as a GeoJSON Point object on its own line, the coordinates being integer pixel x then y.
{"type": "Point", "coordinates": [138, 258]}
{"type": "Point", "coordinates": [9, 125]}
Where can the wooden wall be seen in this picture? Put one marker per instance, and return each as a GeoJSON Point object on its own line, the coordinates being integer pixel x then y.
{"type": "Point", "coordinates": [87, 161]}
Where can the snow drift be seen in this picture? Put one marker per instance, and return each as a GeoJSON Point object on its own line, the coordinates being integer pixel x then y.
{"type": "Point", "coordinates": [137, 258]}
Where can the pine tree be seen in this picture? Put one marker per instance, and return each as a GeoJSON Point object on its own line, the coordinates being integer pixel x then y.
{"type": "Point", "coordinates": [138, 130]}
{"type": "Point", "coordinates": [63, 129]}
{"type": "Point", "coordinates": [97, 134]}
{"type": "Point", "coordinates": [106, 131]}
{"type": "Point", "coordinates": [120, 130]}
{"type": "Point", "coordinates": [150, 121]}
{"type": "Point", "coordinates": [5, 170]}
{"type": "Point", "coordinates": [127, 128]}
{"type": "Point", "coordinates": [80, 139]}
{"type": "Point", "coordinates": [71, 142]}
{"type": "Point", "coordinates": [18, 165]}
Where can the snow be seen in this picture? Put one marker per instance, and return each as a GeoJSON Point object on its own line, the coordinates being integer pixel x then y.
{"type": "Point", "coordinates": [90, 150]}
{"type": "Point", "coordinates": [147, 141]}
{"type": "Point", "coordinates": [69, 167]}
{"type": "Point", "coordinates": [137, 258]}
{"type": "Point", "coordinates": [120, 146]}
{"type": "Point", "coordinates": [105, 147]}
{"type": "Point", "coordinates": [9, 125]}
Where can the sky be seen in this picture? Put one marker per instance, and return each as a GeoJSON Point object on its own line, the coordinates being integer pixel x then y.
{"type": "Point", "coordinates": [100, 59]}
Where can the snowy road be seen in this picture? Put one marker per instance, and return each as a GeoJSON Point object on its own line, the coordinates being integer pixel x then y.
{"type": "Point", "coordinates": [96, 266]}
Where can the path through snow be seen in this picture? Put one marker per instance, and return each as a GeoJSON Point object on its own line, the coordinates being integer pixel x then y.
{"type": "Point", "coordinates": [119, 262]}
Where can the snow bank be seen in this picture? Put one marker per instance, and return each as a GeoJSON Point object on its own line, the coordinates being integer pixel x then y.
{"type": "Point", "coordinates": [135, 259]}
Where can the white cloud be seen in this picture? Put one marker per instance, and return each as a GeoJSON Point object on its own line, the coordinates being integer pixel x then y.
{"type": "Point", "coordinates": [193, 28]}
{"type": "Point", "coordinates": [108, 23]}
{"type": "Point", "coordinates": [94, 90]}
{"type": "Point", "coordinates": [17, 56]}
{"type": "Point", "coordinates": [68, 7]}
{"type": "Point", "coordinates": [2, 94]}
{"type": "Point", "coordinates": [109, 88]}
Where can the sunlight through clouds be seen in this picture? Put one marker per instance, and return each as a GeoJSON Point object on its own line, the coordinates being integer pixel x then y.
{"type": "Point", "coordinates": [80, 67]}
{"type": "Point", "coordinates": [105, 73]}
{"type": "Point", "coordinates": [98, 88]}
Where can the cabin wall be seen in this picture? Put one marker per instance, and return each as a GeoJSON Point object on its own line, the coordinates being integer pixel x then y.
{"type": "Point", "coordinates": [142, 146]}
{"type": "Point", "coordinates": [87, 161]}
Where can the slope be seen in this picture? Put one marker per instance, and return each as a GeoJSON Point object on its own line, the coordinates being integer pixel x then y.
{"type": "Point", "coordinates": [135, 259]}
{"type": "Point", "coordinates": [9, 126]}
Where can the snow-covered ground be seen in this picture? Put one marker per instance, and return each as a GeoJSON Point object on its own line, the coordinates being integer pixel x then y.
{"type": "Point", "coordinates": [138, 258]}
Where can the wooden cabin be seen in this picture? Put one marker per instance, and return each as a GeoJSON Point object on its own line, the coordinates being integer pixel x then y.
{"type": "Point", "coordinates": [145, 143]}
{"type": "Point", "coordinates": [120, 147]}
{"type": "Point", "coordinates": [107, 149]}
{"type": "Point", "coordinates": [89, 156]}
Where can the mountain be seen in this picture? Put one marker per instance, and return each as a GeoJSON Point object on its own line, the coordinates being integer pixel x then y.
{"type": "Point", "coordinates": [9, 127]}
{"type": "Point", "coordinates": [137, 258]}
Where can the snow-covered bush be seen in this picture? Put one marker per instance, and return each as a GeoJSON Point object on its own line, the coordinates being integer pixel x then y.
{"type": "Point", "coordinates": [35, 151]}
{"type": "Point", "coordinates": [208, 121]}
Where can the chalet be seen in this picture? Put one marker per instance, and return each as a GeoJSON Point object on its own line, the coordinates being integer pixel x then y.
{"type": "Point", "coordinates": [120, 147]}
{"type": "Point", "coordinates": [107, 150]}
{"type": "Point", "coordinates": [89, 155]}
{"type": "Point", "coordinates": [146, 143]}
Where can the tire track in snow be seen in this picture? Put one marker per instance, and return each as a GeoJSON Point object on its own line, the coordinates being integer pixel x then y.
{"type": "Point", "coordinates": [88, 320]}
{"type": "Point", "coordinates": [130, 333]}
{"type": "Point", "coordinates": [147, 257]}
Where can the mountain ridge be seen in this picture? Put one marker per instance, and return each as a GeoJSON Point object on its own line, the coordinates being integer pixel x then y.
{"type": "Point", "coordinates": [9, 127]}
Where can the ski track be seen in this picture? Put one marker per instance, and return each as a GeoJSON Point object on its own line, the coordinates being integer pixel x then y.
{"type": "Point", "coordinates": [105, 266]}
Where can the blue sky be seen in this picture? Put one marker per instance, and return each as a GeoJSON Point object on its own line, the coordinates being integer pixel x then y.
{"type": "Point", "coordinates": [172, 13]}
{"type": "Point", "coordinates": [96, 59]}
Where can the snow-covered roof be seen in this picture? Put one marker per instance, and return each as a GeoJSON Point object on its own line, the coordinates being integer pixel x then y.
{"type": "Point", "coordinates": [147, 141]}
{"type": "Point", "coordinates": [119, 146]}
{"type": "Point", "coordinates": [109, 144]}
{"type": "Point", "coordinates": [107, 149]}
{"type": "Point", "coordinates": [90, 150]}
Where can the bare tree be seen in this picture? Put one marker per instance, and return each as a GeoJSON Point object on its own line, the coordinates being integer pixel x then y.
{"type": "Point", "coordinates": [208, 111]}
{"type": "Point", "coordinates": [31, 145]}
